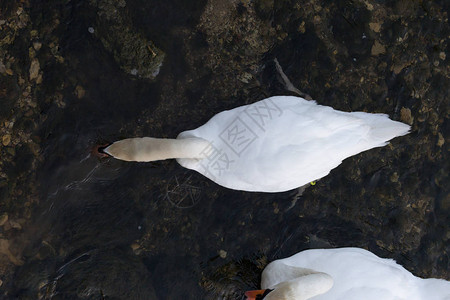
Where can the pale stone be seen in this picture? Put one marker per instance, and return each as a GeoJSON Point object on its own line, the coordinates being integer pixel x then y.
{"type": "Point", "coordinates": [3, 219]}
{"type": "Point", "coordinates": [6, 139]}
{"type": "Point", "coordinates": [79, 91]}
{"type": "Point", "coordinates": [37, 46]}
{"type": "Point", "coordinates": [441, 140]}
{"type": "Point", "coordinates": [34, 69]}
{"type": "Point", "coordinates": [14, 224]}
{"type": "Point", "coordinates": [135, 246]}
{"type": "Point", "coordinates": [405, 116]}
{"type": "Point", "coordinates": [378, 48]}
{"type": "Point", "coordinates": [375, 27]}
{"type": "Point", "coordinates": [394, 177]}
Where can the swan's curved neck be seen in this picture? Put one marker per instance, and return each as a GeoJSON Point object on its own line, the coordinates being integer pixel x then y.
{"type": "Point", "coordinates": [150, 149]}
{"type": "Point", "coordinates": [302, 288]}
{"type": "Point", "coordinates": [291, 282]}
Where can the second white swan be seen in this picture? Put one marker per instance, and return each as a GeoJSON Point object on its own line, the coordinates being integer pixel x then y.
{"type": "Point", "coordinates": [344, 274]}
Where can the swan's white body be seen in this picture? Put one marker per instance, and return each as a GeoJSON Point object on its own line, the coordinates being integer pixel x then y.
{"type": "Point", "coordinates": [357, 274]}
{"type": "Point", "coordinates": [284, 142]}
{"type": "Point", "coordinates": [274, 145]}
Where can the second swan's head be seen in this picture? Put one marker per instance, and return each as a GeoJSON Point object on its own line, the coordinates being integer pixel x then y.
{"type": "Point", "coordinates": [301, 288]}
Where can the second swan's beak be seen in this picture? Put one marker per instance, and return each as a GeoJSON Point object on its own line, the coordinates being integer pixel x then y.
{"type": "Point", "coordinates": [99, 151]}
{"type": "Point", "coordinates": [255, 294]}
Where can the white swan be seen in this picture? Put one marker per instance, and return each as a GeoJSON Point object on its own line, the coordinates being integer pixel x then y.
{"type": "Point", "coordinates": [357, 274]}
{"type": "Point", "coordinates": [276, 144]}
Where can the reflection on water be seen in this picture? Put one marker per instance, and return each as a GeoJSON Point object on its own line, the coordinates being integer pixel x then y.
{"type": "Point", "coordinates": [106, 229]}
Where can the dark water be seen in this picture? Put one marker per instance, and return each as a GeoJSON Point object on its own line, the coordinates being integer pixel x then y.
{"type": "Point", "coordinates": [106, 229]}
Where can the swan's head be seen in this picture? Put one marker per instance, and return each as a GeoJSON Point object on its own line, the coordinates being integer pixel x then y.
{"type": "Point", "coordinates": [301, 288]}
{"type": "Point", "coordinates": [127, 149]}
{"type": "Point", "coordinates": [138, 149]}
{"type": "Point", "coordinates": [151, 149]}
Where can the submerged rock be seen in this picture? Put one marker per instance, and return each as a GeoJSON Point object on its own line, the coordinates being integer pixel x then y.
{"type": "Point", "coordinates": [132, 51]}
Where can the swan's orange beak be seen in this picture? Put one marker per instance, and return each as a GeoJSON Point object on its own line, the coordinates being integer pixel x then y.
{"type": "Point", "coordinates": [251, 295]}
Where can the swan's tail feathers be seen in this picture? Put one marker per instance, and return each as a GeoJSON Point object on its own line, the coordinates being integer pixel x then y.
{"type": "Point", "coordinates": [383, 129]}
{"type": "Point", "coordinates": [434, 289]}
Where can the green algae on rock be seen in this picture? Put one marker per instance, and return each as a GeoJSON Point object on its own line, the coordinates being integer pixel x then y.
{"type": "Point", "coordinates": [132, 51]}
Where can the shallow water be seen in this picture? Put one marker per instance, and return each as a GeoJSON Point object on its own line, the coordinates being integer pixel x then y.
{"type": "Point", "coordinates": [105, 229]}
